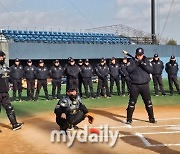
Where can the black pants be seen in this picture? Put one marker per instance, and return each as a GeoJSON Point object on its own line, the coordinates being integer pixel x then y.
{"type": "Point", "coordinates": [72, 119]}
{"type": "Point", "coordinates": [157, 80]}
{"type": "Point", "coordinates": [88, 83]}
{"type": "Point", "coordinates": [102, 83]}
{"type": "Point", "coordinates": [30, 88]}
{"type": "Point", "coordinates": [116, 80]}
{"type": "Point", "coordinates": [74, 82]}
{"type": "Point", "coordinates": [17, 86]}
{"type": "Point", "coordinates": [42, 83]}
{"type": "Point", "coordinates": [125, 81]}
{"type": "Point", "coordinates": [173, 79]}
{"type": "Point", "coordinates": [56, 84]}
{"type": "Point", "coordinates": [144, 91]}
{"type": "Point", "coordinates": [5, 102]}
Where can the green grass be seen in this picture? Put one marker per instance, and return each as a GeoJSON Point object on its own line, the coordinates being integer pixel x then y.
{"type": "Point", "coordinates": [29, 108]}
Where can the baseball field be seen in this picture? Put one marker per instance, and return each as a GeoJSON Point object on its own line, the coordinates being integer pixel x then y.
{"type": "Point", "coordinates": [140, 137]}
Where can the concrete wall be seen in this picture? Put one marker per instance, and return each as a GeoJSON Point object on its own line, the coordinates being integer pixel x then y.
{"type": "Point", "coordinates": [82, 51]}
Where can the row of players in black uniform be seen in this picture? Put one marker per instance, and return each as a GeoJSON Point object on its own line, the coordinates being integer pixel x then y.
{"type": "Point", "coordinates": [83, 73]}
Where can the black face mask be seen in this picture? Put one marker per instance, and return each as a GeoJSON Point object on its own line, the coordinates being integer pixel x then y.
{"type": "Point", "coordinates": [72, 97]}
{"type": "Point", "coordinates": [2, 62]}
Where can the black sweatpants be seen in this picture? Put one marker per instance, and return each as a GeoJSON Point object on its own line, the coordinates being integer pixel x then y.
{"type": "Point", "coordinates": [125, 82]}
{"type": "Point", "coordinates": [157, 81]}
{"type": "Point", "coordinates": [116, 80]}
{"type": "Point", "coordinates": [42, 83]}
{"type": "Point", "coordinates": [30, 88]}
{"type": "Point", "coordinates": [173, 79]}
{"type": "Point", "coordinates": [87, 82]}
{"type": "Point", "coordinates": [102, 83]}
{"type": "Point", "coordinates": [17, 86]}
{"type": "Point", "coordinates": [56, 84]}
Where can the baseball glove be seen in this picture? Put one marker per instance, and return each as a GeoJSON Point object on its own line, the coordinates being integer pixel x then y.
{"type": "Point", "coordinates": [90, 118]}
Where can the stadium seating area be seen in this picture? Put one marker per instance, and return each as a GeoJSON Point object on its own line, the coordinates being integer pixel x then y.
{"type": "Point", "coordinates": [63, 37]}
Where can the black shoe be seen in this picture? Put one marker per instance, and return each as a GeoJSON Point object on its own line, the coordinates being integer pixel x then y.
{"type": "Point", "coordinates": [152, 121]}
{"type": "Point", "coordinates": [128, 122]}
{"type": "Point", "coordinates": [17, 126]}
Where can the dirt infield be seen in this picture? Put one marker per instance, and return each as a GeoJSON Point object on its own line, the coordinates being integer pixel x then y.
{"type": "Point", "coordinates": [140, 137]}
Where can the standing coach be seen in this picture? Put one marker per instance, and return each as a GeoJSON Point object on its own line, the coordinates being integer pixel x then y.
{"type": "Point", "coordinates": [139, 71]}
{"type": "Point", "coordinates": [172, 70]}
{"type": "Point", "coordinates": [157, 74]}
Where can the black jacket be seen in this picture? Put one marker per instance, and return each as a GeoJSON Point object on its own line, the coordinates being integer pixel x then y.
{"type": "Point", "coordinates": [42, 73]}
{"type": "Point", "coordinates": [114, 70]}
{"type": "Point", "coordinates": [87, 71]}
{"type": "Point", "coordinates": [172, 68]}
{"type": "Point", "coordinates": [30, 72]}
{"type": "Point", "coordinates": [69, 107]}
{"type": "Point", "coordinates": [157, 67]}
{"type": "Point", "coordinates": [72, 71]}
{"type": "Point", "coordinates": [102, 71]}
{"type": "Point", "coordinates": [4, 78]}
{"type": "Point", "coordinates": [56, 72]}
{"type": "Point", "coordinates": [139, 71]}
{"type": "Point", "coordinates": [124, 72]}
{"type": "Point", "coordinates": [16, 72]}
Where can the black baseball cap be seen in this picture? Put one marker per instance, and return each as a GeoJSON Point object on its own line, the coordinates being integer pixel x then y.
{"type": "Point", "coordinates": [113, 58]}
{"type": "Point", "coordinates": [17, 60]}
{"type": "Point", "coordinates": [103, 59]}
{"type": "Point", "coordinates": [2, 53]}
{"type": "Point", "coordinates": [173, 57]}
{"type": "Point", "coordinates": [156, 55]}
{"type": "Point", "coordinates": [87, 60]}
{"type": "Point", "coordinates": [29, 61]}
{"type": "Point", "coordinates": [41, 61]}
{"type": "Point", "coordinates": [80, 61]}
{"type": "Point", "coordinates": [125, 58]}
{"type": "Point", "coordinates": [56, 61]}
{"type": "Point", "coordinates": [139, 51]}
{"type": "Point", "coordinates": [71, 60]}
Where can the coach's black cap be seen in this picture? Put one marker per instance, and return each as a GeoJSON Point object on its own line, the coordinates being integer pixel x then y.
{"type": "Point", "coordinates": [2, 53]}
{"type": "Point", "coordinates": [41, 61]}
{"type": "Point", "coordinates": [17, 60]}
{"type": "Point", "coordinates": [87, 60]}
{"type": "Point", "coordinates": [156, 55]}
{"type": "Point", "coordinates": [113, 58]}
{"type": "Point", "coordinates": [103, 59]}
{"type": "Point", "coordinates": [56, 61]}
{"type": "Point", "coordinates": [125, 58]}
{"type": "Point", "coordinates": [29, 61]}
{"type": "Point", "coordinates": [139, 51]}
{"type": "Point", "coordinates": [172, 57]}
{"type": "Point", "coordinates": [80, 61]}
{"type": "Point", "coordinates": [71, 60]}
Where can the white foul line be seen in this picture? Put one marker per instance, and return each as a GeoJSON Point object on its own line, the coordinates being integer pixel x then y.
{"type": "Point", "coordinates": [129, 126]}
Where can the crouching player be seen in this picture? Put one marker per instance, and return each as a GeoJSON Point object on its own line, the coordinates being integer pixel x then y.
{"type": "Point", "coordinates": [70, 110]}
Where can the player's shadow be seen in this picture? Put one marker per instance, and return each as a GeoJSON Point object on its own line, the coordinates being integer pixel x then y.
{"type": "Point", "coordinates": [136, 141]}
{"type": "Point", "coordinates": [5, 126]}
{"type": "Point", "coordinates": [113, 116]}
{"type": "Point", "coordinates": [108, 114]}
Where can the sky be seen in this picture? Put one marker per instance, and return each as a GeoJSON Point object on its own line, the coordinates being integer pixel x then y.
{"type": "Point", "coordinates": [78, 15]}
